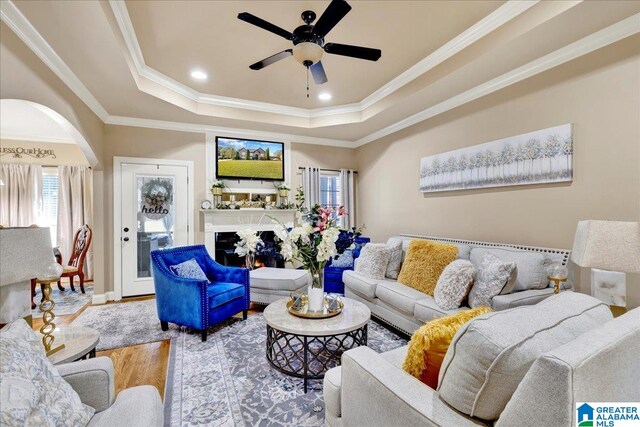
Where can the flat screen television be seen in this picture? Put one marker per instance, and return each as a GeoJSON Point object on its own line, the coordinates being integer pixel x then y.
{"type": "Point", "coordinates": [249, 159]}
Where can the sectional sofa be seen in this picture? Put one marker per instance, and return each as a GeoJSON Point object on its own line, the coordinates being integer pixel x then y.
{"type": "Point", "coordinates": [407, 309]}
{"type": "Point", "coordinates": [526, 366]}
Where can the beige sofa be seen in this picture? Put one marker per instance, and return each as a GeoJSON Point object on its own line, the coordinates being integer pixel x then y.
{"type": "Point", "coordinates": [407, 309]}
{"type": "Point", "coordinates": [573, 358]}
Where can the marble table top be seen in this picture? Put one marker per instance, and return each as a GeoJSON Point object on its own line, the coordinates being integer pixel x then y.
{"type": "Point", "coordinates": [77, 340]}
{"type": "Point", "coordinates": [353, 316]}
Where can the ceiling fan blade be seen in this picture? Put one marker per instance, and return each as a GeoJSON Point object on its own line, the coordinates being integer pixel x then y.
{"type": "Point", "coordinates": [336, 10]}
{"type": "Point", "coordinates": [270, 60]}
{"type": "Point", "coordinates": [317, 71]}
{"type": "Point", "coordinates": [259, 22]}
{"type": "Point", "coordinates": [353, 51]}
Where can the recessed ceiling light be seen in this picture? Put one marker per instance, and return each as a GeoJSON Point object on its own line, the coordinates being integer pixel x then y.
{"type": "Point", "coordinates": [324, 96]}
{"type": "Point", "coordinates": [200, 75]}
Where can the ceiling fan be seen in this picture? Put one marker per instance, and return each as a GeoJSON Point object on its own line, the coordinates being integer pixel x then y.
{"type": "Point", "coordinates": [308, 40]}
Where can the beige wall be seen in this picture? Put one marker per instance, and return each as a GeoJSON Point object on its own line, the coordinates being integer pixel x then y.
{"type": "Point", "coordinates": [66, 154]}
{"type": "Point", "coordinates": [25, 76]}
{"type": "Point", "coordinates": [127, 141]}
{"type": "Point", "coordinates": [599, 94]}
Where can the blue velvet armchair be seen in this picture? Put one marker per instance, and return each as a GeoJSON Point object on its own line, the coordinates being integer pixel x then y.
{"type": "Point", "coordinates": [196, 303]}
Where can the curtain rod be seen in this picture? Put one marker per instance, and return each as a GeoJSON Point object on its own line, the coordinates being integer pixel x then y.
{"type": "Point", "coordinates": [323, 169]}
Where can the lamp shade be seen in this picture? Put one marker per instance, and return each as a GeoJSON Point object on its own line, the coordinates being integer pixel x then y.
{"type": "Point", "coordinates": [607, 245]}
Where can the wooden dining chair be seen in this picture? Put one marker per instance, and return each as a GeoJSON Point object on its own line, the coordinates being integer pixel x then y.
{"type": "Point", "coordinates": [75, 266]}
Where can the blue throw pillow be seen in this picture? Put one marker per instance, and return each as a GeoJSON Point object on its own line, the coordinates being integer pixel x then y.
{"type": "Point", "coordinates": [189, 269]}
{"type": "Point", "coordinates": [345, 260]}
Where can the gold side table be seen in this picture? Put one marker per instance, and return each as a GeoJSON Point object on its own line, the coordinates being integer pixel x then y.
{"type": "Point", "coordinates": [46, 306]}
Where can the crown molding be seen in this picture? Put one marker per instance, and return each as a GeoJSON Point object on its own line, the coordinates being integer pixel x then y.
{"type": "Point", "coordinates": [226, 131]}
{"type": "Point", "coordinates": [9, 137]}
{"type": "Point", "coordinates": [588, 44]}
{"type": "Point", "coordinates": [19, 24]}
{"type": "Point", "coordinates": [488, 24]}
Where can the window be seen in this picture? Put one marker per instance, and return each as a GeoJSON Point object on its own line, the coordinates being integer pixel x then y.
{"type": "Point", "coordinates": [330, 196]}
{"type": "Point", "coordinates": [49, 214]}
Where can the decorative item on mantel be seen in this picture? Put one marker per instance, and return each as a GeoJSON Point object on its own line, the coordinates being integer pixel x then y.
{"type": "Point", "coordinates": [283, 193]}
{"type": "Point", "coordinates": [217, 185]}
{"type": "Point", "coordinates": [313, 243]}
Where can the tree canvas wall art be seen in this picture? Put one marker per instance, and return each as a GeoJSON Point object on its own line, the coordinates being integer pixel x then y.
{"type": "Point", "coordinates": [540, 157]}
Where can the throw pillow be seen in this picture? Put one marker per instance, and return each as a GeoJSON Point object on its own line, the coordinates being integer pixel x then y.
{"type": "Point", "coordinates": [489, 357]}
{"type": "Point", "coordinates": [424, 263]}
{"type": "Point", "coordinates": [345, 260]}
{"type": "Point", "coordinates": [373, 260]}
{"type": "Point", "coordinates": [189, 269]}
{"type": "Point", "coordinates": [454, 284]}
{"type": "Point", "coordinates": [532, 266]}
{"type": "Point", "coordinates": [395, 259]}
{"type": "Point", "coordinates": [430, 343]}
{"type": "Point", "coordinates": [492, 276]}
{"type": "Point", "coordinates": [33, 392]}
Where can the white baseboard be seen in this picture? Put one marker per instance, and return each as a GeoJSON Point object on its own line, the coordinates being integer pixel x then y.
{"type": "Point", "coordinates": [99, 299]}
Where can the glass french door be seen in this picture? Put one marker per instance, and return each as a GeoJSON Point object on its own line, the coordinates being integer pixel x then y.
{"type": "Point", "coordinates": [155, 216]}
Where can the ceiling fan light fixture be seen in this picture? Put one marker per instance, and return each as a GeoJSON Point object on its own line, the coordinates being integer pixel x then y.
{"type": "Point", "coordinates": [306, 52]}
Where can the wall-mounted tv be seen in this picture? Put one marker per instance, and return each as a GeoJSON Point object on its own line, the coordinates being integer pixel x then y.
{"type": "Point", "coordinates": [249, 159]}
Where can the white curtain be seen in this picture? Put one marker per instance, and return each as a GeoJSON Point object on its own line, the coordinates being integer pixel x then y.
{"type": "Point", "coordinates": [21, 194]}
{"type": "Point", "coordinates": [311, 186]}
{"type": "Point", "coordinates": [75, 208]}
{"type": "Point", "coordinates": [348, 193]}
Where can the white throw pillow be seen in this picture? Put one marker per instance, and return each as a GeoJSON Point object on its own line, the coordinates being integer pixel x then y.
{"type": "Point", "coordinates": [373, 260]}
{"type": "Point", "coordinates": [489, 356]}
{"type": "Point", "coordinates": [395, 258]}
{"type": "Point", "coordinates": [532, 266]}
{"type": "Point", "coordinates": [492, 277]}
{"type": "Point", "coordinates": [454, 284]}
{"type": "Point", "coordinates": [32, 392]}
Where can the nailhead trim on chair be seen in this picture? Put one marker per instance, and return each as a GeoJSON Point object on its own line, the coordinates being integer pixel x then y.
{"type": "Point", "coordinates": [202, 283]}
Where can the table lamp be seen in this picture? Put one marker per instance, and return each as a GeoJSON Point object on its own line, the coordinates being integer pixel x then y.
{"type": "Point", "coordinates": [50, 274]}
{"type": "Point", "coordinates": [607, 245]}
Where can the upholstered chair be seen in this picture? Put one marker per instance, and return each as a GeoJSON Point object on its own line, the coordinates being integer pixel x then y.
{"type": "Point", "coordinates": [197, 303]}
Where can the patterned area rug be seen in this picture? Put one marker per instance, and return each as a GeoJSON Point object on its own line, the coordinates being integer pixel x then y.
{"type": "Point", "coordinates": [67, 302]}
{"type": "Point", "coordinates": [126, 324]}
{"type": "Point", "coordinates": [227, 381]}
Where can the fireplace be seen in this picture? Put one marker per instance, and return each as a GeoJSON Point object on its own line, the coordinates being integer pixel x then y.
{"type": "Point", "coordinates": [266, 256]}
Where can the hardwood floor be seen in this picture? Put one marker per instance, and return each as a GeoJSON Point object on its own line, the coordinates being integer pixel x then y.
{"type": "Point", "coordinates": [136, 365]}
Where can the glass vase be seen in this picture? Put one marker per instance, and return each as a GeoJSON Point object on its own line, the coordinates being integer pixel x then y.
{"type": "Point", "coordinates": [249, 260]}
{"type": "Point", "coordinates": [316, 292]}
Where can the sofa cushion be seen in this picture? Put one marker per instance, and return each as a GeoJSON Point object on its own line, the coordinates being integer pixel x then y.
{"type": "Point", "coordinates": [489, 356]}
{"type": "Point", "coordinates": [395, 258]}
{"type": "Point", "coordinates": [360, 284]}
{"type": "Point", "coordinates": [222, 292]}
{"type": "Point", "coordinates": [189, 269]}
{"type": "Point", "coordinates": [373, 260]}
{"type": "Point", "coordinates": [398, 295]}
{"type": "Point", "coordinates": [532, 273]}
{"type": "Point", "coordinates": [424, 263]}
{"type": "Point", "coordinates": [454, 284]}
{"type": "Point", "coordinates": [139, 406]}
{"type": "Point", "coordinates": [32, 391]}
{"type": "Point", "coordinates": [493, 276]}
{"type": "Point", "coordinates": [430, 343]}
{"type": "Point", "coordinates": [426, 310]}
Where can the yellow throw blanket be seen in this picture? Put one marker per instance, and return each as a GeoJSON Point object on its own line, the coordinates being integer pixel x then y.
{"type": "Point", "coordinates": [424, 263]}
{"type": "Point", "coordinates": [430, 343]}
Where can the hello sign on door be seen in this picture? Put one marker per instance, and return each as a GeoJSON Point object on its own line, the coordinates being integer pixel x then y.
{"type": "Point", "coordinates": [156, 198]}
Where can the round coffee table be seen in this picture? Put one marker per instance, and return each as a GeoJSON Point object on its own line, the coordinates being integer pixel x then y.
{"type": "Point", "coordinates": [307, 348]}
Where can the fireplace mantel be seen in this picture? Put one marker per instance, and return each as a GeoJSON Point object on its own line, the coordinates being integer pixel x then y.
{"type": "Point", "coordinates": [232, 220]}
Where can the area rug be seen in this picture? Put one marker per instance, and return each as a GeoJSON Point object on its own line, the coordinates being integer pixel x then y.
{"type": "Point", "coordinates": [227, 381]}
{"type": "Point", "coordinates": [126, 324]}
{"type": "Point", "coordinates": [67, 301]}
